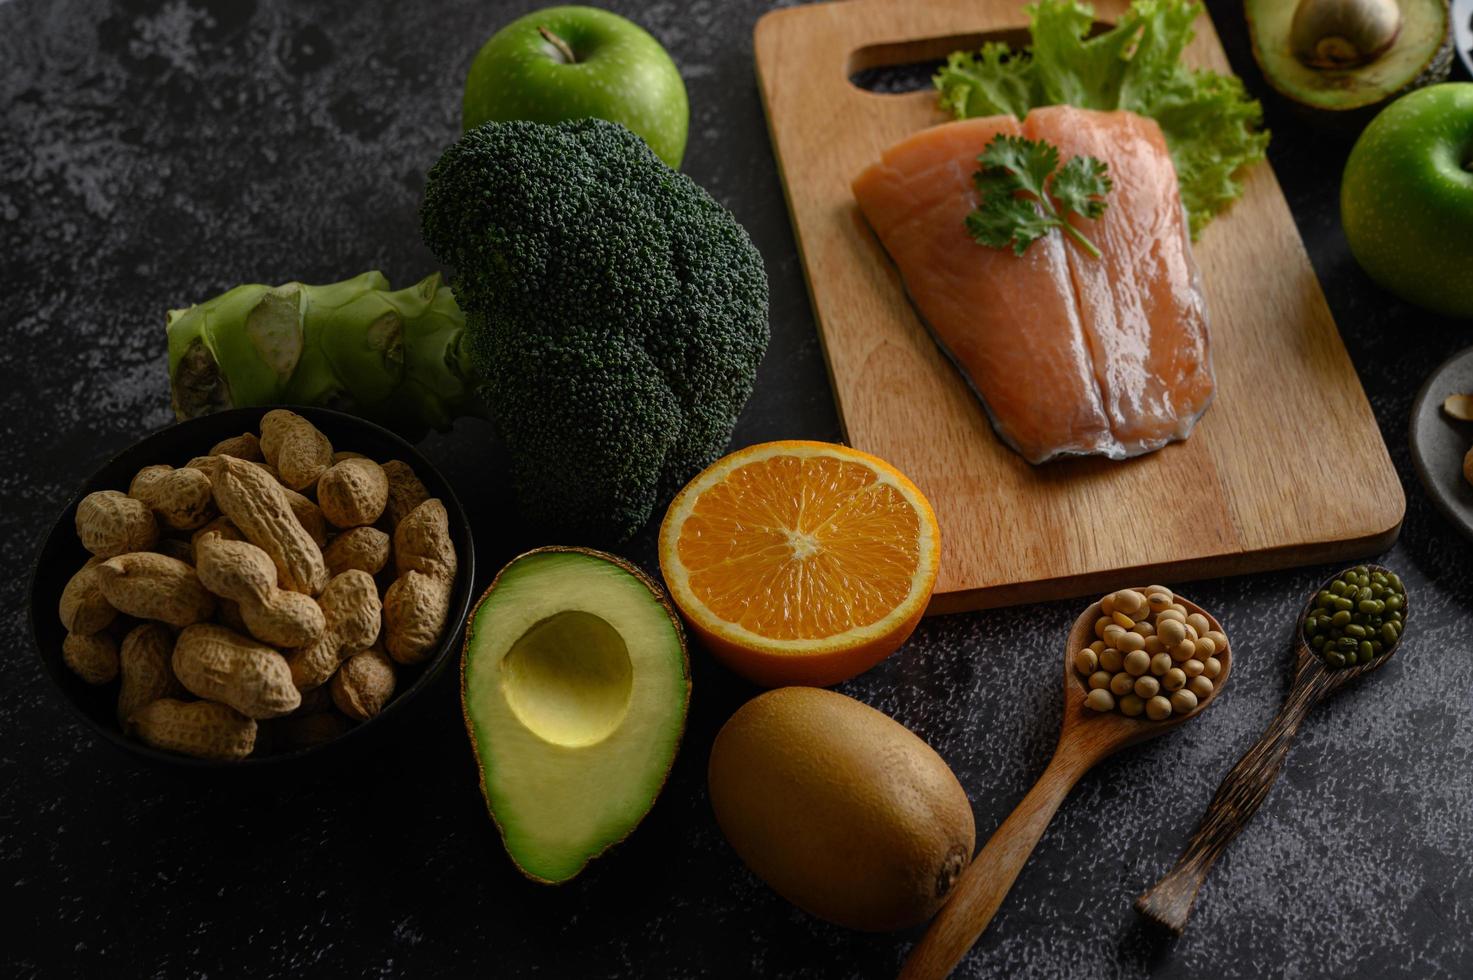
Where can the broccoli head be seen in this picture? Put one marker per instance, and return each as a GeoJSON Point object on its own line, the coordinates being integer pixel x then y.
{"type": "Point", "coordinates": [616, 314]}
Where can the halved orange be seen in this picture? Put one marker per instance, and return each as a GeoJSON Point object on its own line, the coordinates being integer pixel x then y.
{"type": "Point", "coordinates": [800, 562]}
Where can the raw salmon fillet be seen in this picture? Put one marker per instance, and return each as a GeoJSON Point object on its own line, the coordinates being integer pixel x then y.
{"type": "Point", "coordinates": [1009, 322]}
{"type": "Point", "coordinates": [1069, 354]}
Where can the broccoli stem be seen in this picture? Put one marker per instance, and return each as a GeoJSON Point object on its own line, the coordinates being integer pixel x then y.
{"type": "Point", "coordinates": [392, 356]}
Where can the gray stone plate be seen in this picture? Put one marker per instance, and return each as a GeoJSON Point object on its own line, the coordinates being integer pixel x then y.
{"type": "Point", "coordinates": [1439, 442]}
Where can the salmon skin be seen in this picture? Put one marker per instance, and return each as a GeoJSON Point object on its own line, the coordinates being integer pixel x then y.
{"type": "Point", "coordinates": [1069, 355]}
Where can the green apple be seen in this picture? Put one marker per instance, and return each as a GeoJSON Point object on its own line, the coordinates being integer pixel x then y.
{"type": "Point", "coordinates": [575, 62]}
{"type": "Point", "coordinates": [1406, 200]}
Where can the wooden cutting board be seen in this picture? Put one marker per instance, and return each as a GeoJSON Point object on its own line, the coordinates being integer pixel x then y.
{"type": "Point", "coordinates": [1287, 467]}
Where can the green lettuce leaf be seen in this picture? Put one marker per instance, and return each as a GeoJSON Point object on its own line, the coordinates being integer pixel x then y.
{"type": "Point", "coordinates": [1210, 123]}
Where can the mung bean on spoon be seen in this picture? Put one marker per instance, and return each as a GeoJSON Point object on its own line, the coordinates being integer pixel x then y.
{"type": "Point", "coordinates": [1316, 677]}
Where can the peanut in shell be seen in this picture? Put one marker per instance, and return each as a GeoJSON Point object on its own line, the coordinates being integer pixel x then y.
{"type": "Point", "coordinates": [363, 684]}
{"type": "Point", "coordinates": [353, 492]}
{"type": "Point", "coordinates": [146, 671]}
{"type": "Point", "coordinates": [295, 448]}
{"type": "Point", "coordinates": [218, 664]}
{"type": "Point", "coordinates": [241, 572]}
{"type": "Point", "coordinates": [416, 607]}
{"type": "Point", "coordinates": [203, 729]}
{"type": "Point", "coordinates": [83, 608]}
{"type": "Point", "coordinates": [111, 523]}
{"type": "Point", "coordinates": [258, 506]}
{"type": "Point", "coordinates": [91, 656]}
{"type": "Point", "coordinates": [406, 492]}
{"type": "Point", "coordinates": [180, 499]}
{"type": "Point", "coordinates": [244, 446]}
{"type": "Point", "coordinates": [363, 548]}
{"type": "Point", "coordinates": [148, 585]}
{"type": "Point", "coordinates": [354, 616]}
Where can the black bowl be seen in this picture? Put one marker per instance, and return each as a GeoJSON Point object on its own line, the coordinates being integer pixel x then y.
{"type": "Point", "coordinates": [62, 554]}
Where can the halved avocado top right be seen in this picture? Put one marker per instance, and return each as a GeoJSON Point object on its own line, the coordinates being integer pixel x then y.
{"type": "Point", "coordinates": [1341, 55]}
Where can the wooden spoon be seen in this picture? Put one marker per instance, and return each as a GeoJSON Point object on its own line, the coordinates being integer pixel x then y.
{"type": "Point", "coordinates": [1169, 902]}
{"type": "Point", "coordinates": [1087, 737]}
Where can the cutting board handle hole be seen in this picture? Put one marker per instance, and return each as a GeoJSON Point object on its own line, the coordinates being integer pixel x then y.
{"type": "Point", "coordinates": [899, 67]}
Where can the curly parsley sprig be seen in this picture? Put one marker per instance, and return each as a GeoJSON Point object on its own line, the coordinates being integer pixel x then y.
{"type": "Point", "coordinates": [1013, 166]}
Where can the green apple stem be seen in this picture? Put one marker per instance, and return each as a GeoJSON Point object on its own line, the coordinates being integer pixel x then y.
{"type": "Point", "coordinates": [562, 46]}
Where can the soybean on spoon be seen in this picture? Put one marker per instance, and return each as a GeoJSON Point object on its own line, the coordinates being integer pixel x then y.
{"type": "Point", "coordinates": [1085, 738]}
{"type": "Point", "coordinates": [1169, 902]}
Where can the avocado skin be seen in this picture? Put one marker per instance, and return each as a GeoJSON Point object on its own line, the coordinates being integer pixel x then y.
{"type": "Point", "coordinates": [1350, 120]}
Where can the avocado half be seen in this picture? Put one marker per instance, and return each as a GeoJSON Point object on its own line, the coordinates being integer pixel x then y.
{"type": "Point", "coordinates": [1419, 52]}
{"type": "Point", "coordinates": [575, 683]}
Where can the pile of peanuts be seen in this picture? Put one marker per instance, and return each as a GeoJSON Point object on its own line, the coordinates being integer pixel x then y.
{"type": "Point", "coordinates": [1150, 655]}
{"type": "Point", "coordinates": [264, 597]}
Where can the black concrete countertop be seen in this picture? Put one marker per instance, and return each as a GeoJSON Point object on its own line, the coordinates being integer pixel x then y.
{"type": "Point", "coordinates": [154, 153]}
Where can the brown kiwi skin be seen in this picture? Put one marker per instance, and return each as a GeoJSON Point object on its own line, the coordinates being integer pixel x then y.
{"type": "Point", "coordinates": [658, 591]}
{"type": "Point", "coordinates": [900, 889]}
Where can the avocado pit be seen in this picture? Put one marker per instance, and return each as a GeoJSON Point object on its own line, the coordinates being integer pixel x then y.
{"type": "Point", "coordinates": [568, 679]}
{"type": "Point", "coordinates": [1341, 34]}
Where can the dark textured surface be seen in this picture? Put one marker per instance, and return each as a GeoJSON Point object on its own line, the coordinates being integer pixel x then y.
{"type": "Point", "coordinates": [155, 153]}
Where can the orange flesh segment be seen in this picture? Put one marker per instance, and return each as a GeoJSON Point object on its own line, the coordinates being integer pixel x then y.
{"type": "Point", "coordinates": [795, 547]}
